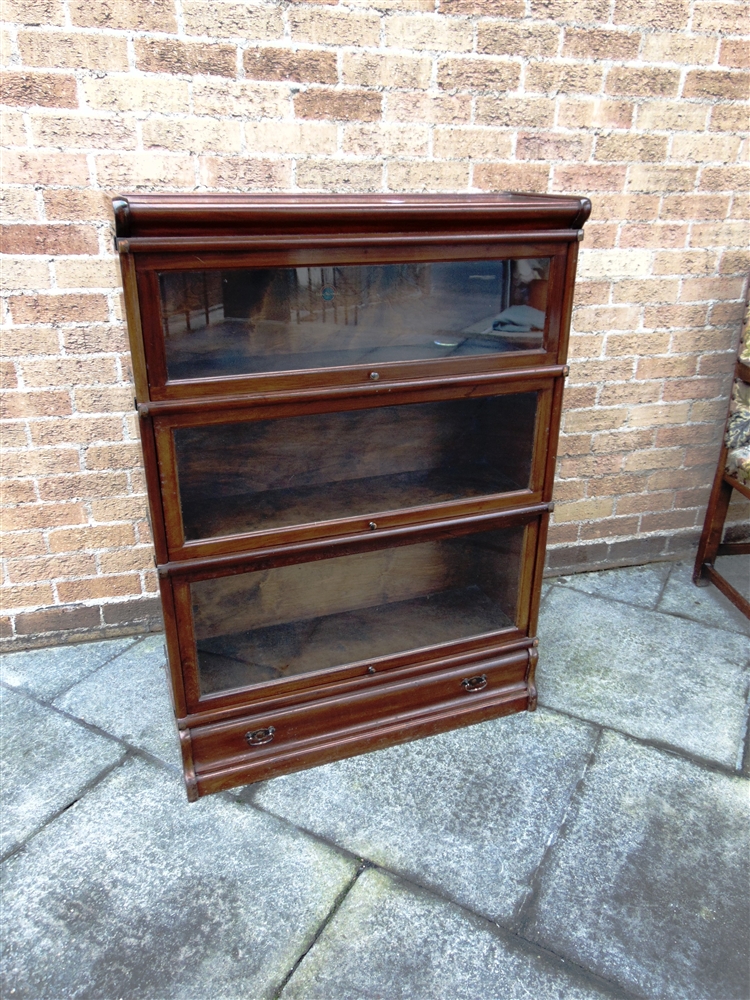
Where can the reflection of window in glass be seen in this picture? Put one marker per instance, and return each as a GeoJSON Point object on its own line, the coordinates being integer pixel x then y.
{"type": "Point", "coordinates": [260, 626]}
{"type": "Point", "coordinates": [284, 319]}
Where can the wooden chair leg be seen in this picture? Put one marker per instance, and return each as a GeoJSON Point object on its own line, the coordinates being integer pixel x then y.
{"type": "Point", "coordinates": [713, 526]}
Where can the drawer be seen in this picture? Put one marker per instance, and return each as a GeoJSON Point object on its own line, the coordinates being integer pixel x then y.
{"type": "Point", "coordinates": [263, 745]}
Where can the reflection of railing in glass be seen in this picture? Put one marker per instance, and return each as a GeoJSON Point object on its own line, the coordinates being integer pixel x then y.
{"type": "Point", "coordinates": [254, 320]}
{"type": "Point", "coordinates": [323, 294]}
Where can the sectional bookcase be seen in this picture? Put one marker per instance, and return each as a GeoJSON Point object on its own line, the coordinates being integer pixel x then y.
{"type": "Point", "coordinates": [349, 409]}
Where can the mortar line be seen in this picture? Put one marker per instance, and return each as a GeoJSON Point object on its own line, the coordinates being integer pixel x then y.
{"type": "Point", "coordinates": [337, 903]}
{"type": "Point", "coordinates": [704, 763]}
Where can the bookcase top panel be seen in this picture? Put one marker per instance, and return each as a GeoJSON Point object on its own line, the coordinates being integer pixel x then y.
{"type": "Point", "coordinates": [196, 215]}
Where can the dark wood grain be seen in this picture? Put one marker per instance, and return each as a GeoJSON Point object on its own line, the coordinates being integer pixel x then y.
{"type": "Point", "coordinates": [350, 546]}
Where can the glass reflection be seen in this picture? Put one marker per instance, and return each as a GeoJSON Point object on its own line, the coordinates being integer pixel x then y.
{"type": "Point", "coordinates": [238, 322]}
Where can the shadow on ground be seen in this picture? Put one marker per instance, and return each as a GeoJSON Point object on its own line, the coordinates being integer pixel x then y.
{"type": "Point", "coordinates": [596, 848]}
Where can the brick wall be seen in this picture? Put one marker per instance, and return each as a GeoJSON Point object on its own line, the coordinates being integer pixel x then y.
{"type": "Point", "coordinates": [641, 105]}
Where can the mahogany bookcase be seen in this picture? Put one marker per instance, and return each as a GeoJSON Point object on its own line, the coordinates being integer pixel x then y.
{"type": "Point", "coordinates": [349, 408]}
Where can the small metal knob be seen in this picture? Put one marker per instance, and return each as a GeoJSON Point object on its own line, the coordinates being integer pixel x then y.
{"type": "Point", "coordinates": [372, 525]}
{"type": "Point", "coordinates": [473, 684]}
{"type": "Point", "coordinates": [374, 376]}
{"type": "Point", "coordinates": [371, 670]}
{"type": "Point", "coordinates": [258, 736]}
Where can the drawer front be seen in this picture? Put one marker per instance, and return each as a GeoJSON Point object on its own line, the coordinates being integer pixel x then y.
{"type": "Point", "coordinates": [261, 737]}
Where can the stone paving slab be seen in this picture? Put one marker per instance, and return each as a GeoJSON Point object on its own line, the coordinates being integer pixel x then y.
{"type": "Point", "coordinates": [129, 697]}
{"type": "Point", "coordinates": [389, 941]}
{"type": "Point", "coordinates": [651, 675]}
{"type": "Point", "coordinates": [647, 883]}
{"type": "Point", "coordinates": [47, 672]}
{"type": "Point", "coordinates": [466, 813]}
{"type": "Point", "coordinates": [132, 894]}
{"type": "Point", "coordinates": [707, 604]}
{"type": "Point", "coordinates": [640, 585]}
{"type": "Point", "coordinates": [45, 762]}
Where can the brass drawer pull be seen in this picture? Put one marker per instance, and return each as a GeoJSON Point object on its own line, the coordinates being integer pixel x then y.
{"type": "Point", "coordinates": [474, 684]}
{"type": "Point", "coordinates": [258, 736]}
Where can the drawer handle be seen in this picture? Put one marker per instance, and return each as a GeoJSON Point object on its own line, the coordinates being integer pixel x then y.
{"type": "Point", "coordinates": [258, 736]}
{"type": "Point", "coordinates": [473, 684]}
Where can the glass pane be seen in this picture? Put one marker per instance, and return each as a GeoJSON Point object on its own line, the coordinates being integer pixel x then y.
{"type": "Point", "coordinates": [270, 473]}
{"type": "Point", "coordinates": [283, 319]}
{"type": "Point", "coordinates": [255, 627]}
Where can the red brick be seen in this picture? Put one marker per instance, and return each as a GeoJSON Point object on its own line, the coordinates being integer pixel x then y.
{"type": "Point", "coordinates": [735, 52]}
{"type": "Point", "coordinates": [73, 308]}
{"type": "Point", "coordinates": [356, 105]}
{"type": "Point", "coordinates": [45, 167]}
{"type": "Point", "coordinates": [300, 65]}
{"type": "Point", "coordinates": [478, 75]}
{"type": "Point", "coordinates": [166, 55]}
{"type": "Point", "coordinates": [49, 239]}
{"type": "Point", "coordinates": [588, 177]}
{"type": "Point", "coordinates": [671, 520]}
{"type": "Point", "coordinates": [610, 527]}
{"type": "Point", "coordinates": [549, 146]}
{"type": "Point", "coordinates": [563, 78]}
{"type": "Point", "coordinates": [487, 8]}
{"type": "Point", "coordinates": [648, 81]}
{"type": "Point", "coordinates": [245, 173]}
{"type": "Point", "coordinates": [666, 14]}
{"type": "Point", "coordinates": [511, 177]}
{"type": "Point", "coordinates": [721, 84]}
{"type": "Point", "coordinates": [37, 404]}
{"type": "Point", "coordinates": [49, 90]}
{"type": "Point", "coordinates": [577, 11]}
{"type": "Point", "coordinates": [91, 537]}
{"type": "Point", "coordinates": [584, 43]}
{"type": "Point", "coordinates": [8, 375]}
{"type": "Point", "coordinates": [129, 612]}
{"type": "Point", "coordinates": [561, 533]}
{"type": "Point", "coordinates": [60, 619]}
{"type": "Point", "coordinates": [21, 491]}
{"type": "Point", "coordinates": [44, 568]}
{"type": "Point", "coordinates": [35, 515]}
{"type": "Point", "coordinates": [89, 589]}
{"type": "Point", "coordinates": [676, 390]}
{"type": "Point", "coordinates": [83, 486]}
{"type": "Point", "coordinates": [645, 503]}
{"type": "Point", "coordinates": [127, 15]}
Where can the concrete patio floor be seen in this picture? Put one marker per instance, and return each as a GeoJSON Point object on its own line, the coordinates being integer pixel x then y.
{"type": "Point", "coordinates": [595, 848]}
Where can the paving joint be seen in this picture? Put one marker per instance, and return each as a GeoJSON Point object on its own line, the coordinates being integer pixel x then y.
{"type": "Point", "coordinates": [656, 610]}
{"type": "Point", "coordinates": [363, 866]}
{"type": "Point", "coordinates": [104, 663]}
{"type": "Point", "coordinates": [520, 917]}
{"type": "Point", "coordinates": [705, 763]}
{"type": "Point", "coordinates": [81, 794]}
{"type": "Point", "coordinates": [503, 931]}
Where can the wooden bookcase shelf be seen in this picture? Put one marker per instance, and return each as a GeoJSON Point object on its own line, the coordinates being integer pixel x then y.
{"type": "Point", "coordinates": [349, 409]}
